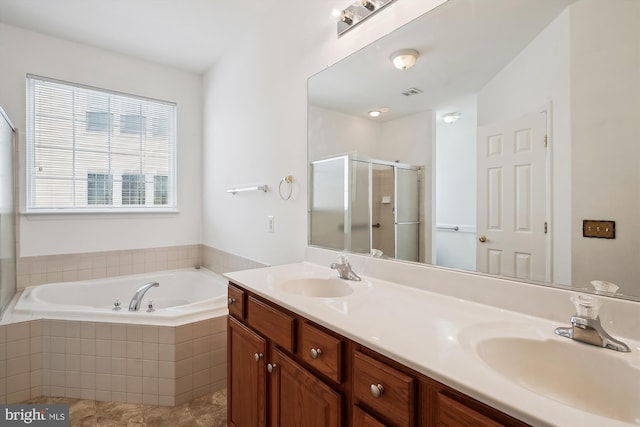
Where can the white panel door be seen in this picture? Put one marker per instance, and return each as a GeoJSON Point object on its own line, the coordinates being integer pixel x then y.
{"type": "Point", "coordinates": [512, 182]}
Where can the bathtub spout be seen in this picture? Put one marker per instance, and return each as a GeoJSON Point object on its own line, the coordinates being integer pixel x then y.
{"type": "Point", "coordinates": [134, 305]}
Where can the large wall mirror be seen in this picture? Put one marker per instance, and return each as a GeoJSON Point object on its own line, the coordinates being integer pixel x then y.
{"type": "Point", "coordinates": [519, 121]}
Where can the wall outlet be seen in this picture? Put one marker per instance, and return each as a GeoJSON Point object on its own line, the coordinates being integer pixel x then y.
{"type": "Point", "coordinates": [270, 224]}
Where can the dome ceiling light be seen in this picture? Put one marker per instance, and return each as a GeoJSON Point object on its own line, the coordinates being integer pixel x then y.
{"type": "Point", "coordinates": [404, 59]}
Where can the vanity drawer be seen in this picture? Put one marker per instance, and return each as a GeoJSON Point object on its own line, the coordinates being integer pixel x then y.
{"type": "Point", "coordinates": [452, 413]}
{"type": "Point", "coordinates": [322, 351]}
{"type": "Point", "coordinates": [235, 301]}
{"type": "Point", "coordinates": [387, 392]}
{"type": "Point", "coordinates": [272, 323]}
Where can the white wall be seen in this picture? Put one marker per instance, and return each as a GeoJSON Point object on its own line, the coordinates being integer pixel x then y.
{"type": "Point", "coordinates": [522, 87]}
{"type": "Point", "coordinates": [255, 113]}
{"type": "Point", "coordinates": [332, 133]}
{"type": "Point", "coordinates": [25, 52]}
{"type": "Point", "coordinates": [455, 186]}
{"type": "Point", "coordinates": [605, 47]}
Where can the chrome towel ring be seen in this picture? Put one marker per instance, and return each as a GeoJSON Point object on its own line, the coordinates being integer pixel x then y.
{"type": "Point", "coordinates": [286, 180]}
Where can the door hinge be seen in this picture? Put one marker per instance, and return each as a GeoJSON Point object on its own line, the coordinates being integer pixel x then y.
{"type": "Point", "coordinates": [546, 140]}
{"type": "Point", "coordinates": [545, 227]}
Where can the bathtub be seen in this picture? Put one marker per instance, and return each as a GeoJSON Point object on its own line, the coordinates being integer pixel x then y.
{"type": "Point", "coordinates": [184, 296]}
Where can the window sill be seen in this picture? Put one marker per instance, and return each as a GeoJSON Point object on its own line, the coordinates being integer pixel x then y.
{"type": "Point", "coordinates": [100, 211]}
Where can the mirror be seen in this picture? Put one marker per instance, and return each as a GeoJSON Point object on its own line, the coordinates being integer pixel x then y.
{"type": "Point", "coordinates": [547, 99]}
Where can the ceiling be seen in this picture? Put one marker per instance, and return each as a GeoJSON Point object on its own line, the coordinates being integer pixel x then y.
{"type": "Point", "coordinates": [462, 45]}
{"type": "Point", "coordinates": [186, 34]}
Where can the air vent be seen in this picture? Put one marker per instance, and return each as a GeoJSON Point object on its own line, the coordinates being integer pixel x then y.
{"type": "Point", "coordinates": [411, 91]}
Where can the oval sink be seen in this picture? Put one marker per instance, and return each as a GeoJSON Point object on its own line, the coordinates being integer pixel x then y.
{"type": "Point", "coordinates": [315, 287]}
{"type": "Point", "coordinates": [588, 378]}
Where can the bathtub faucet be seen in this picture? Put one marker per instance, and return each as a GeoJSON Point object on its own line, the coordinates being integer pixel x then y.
{"type": "Point", "coordinates": [134, 305]}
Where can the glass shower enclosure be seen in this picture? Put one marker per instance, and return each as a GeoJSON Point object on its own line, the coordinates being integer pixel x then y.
{"type": "Point", "coordinates": [366, 206]}
{"type": "Point", "coordinates": [7, 212]}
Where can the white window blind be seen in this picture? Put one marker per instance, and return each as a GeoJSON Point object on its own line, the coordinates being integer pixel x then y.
{"type": "Point", "coordinates": [89, 149]}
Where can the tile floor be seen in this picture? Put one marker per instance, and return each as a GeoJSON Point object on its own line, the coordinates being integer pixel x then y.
{"type": "Point", "coordinates": [205, 411]}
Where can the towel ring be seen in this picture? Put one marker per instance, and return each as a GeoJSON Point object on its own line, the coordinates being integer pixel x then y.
{"type": "Point", "coordinates": [288, 180]}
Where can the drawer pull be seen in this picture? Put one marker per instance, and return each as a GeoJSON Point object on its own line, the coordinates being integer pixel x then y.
{"type": "Point", "coordinates": [376, 390]}
{"type": "Point", "coordinates": [271, 367]}
{"type": "Point", "coordinates": [257, 356]}
{"type": "Point", "coordinates": [231, 300]}
{"type": "Point", "coordinates": [315, 353]}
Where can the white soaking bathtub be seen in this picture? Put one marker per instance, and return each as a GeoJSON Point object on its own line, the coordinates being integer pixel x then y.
{"type": "Point", "coordinates": [183, 296]}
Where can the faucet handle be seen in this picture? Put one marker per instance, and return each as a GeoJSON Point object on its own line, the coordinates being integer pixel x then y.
{"type": "Point", "coordinates": [586, 305]}
{"type": "Point", "coordinates": [343, 258]}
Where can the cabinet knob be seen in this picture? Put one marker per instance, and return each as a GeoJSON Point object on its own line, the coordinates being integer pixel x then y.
{"type": "Point", "coordinates": [257, 356]}
{"type": "Point", "coordinates": [231, 300]}
{"type": "Point", "coordinates": [271, 367]}
{"type": "Point", "coordinates": [376, 390]}
{"type": "Point", "coordinates": [315, 353]}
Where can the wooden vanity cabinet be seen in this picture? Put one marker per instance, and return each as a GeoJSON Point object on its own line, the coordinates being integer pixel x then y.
{"type": "Point", "coordinates": [269, 383]}
{"type": "Point", "coordinates": [286, 371]}
{"type": "Point", "coordinates": [246, 376]}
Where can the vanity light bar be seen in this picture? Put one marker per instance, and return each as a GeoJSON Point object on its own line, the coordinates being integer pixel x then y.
{"type": "Point", "coordinates": [357, 12]}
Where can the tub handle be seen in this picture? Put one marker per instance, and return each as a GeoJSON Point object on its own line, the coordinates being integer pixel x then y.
{"type": "Point", "coordinates": [117, 304]}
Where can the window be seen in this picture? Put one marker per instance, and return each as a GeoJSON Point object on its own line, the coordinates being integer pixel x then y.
{"type": "Point", "coordinates": [160, 190]}
{"type": "Point", "coordinates": [99, 189]}
{"type": "Point", "coordinates": [133, 189]}
{"type": "Point", "coordinates": [90, 149]}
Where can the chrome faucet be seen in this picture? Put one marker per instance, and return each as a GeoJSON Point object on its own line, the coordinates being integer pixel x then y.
{"type": "Point", "coordinates": [586, 327]}
{"type": "Point", "coordinates": [344, 268]}
{"type": "Point", "coordinates": [134, 304]}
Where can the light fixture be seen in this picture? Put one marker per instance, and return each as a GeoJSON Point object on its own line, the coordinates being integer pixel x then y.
{"type": "Point", "coordinates": [450, 117]}
{"type": "Point", "coordinates": [368, 5]}
{"type": "Point", "coordinates": [356, 12]}
{"type": "Point", "coordinates": [377, 112]}
{"type": "Point", "coordinates": [404, 59]}
{"type": "Point", "coordinates": [346, 17]}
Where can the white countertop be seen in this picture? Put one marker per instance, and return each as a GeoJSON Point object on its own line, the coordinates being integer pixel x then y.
{"type": "Point", "coordinates": [436, 335]}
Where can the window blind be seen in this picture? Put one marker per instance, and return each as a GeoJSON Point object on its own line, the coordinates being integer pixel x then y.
{"type": "Point", "coordinates": [91, 149]}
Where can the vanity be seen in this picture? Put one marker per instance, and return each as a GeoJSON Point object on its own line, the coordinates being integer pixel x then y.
{"type": "Point", "coordinates": [307, 348]}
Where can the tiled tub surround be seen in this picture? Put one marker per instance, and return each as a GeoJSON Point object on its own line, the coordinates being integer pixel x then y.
{"type": "Point", "coordinates": [154, 365]}
{"type": "Point", "coordinates": [39, 270]}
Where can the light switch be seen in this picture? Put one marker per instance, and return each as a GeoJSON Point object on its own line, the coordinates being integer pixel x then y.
{"type": "Point", "coordinates": [599, 229]}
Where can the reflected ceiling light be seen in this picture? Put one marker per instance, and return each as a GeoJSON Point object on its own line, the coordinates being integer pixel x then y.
{"type": "Point", "coordinates": [404, 59]}
{"type": "Point", "coordinates": [450, 117]}
{"type": "Point", "coordinates": [376, 113]}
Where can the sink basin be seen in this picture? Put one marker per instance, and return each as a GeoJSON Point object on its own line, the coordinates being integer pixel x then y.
{"type": "Point", "coordinates": [591, 379]}
{"type": "Point", "coordinates": [317, 287]}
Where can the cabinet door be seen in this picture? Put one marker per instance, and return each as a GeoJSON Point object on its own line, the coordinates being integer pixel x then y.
{"type": "Point", "coordinates": [362, 419]}
{"type": "Point", "coordinates": [298, 398]}
{"type": "Point", "coordinates": [246, 376]}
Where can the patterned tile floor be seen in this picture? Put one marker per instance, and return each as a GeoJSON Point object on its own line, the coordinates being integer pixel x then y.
{"type": "Point", "coordinates": [205, 411]}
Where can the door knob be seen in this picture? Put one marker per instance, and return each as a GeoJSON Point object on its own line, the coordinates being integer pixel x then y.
{"type": "Point", "coordinates": [482, 239]}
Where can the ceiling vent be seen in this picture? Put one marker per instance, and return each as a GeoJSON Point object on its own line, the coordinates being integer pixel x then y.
{"type": "Point", "coordinates": [411, 91]}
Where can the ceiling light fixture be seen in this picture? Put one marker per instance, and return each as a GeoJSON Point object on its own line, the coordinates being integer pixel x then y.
{"type": "Point", "coordinates": [404, 59]}
{"type": "Point", "coordinates": [377, 112]}
{"type": "Point", "coordinates": [450, 117]}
